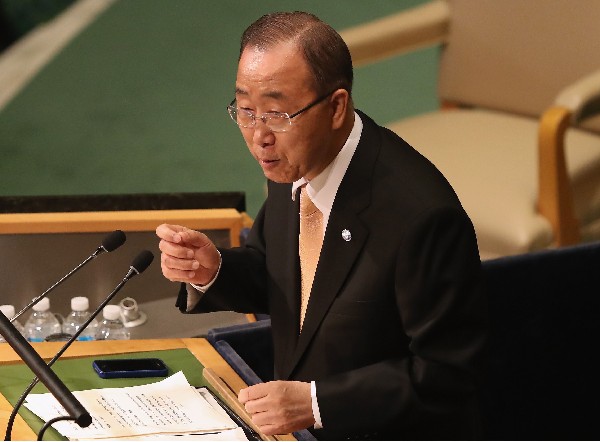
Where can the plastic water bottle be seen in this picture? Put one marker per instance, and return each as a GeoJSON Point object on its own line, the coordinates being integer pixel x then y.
{"type": "Point", "coordinates": [9, 312]}
{"type": "Point", "coordinates": [42, 322]}
{"type": "Point", "coordinates": [79, 314]}
{"type": "Point", "coordinates": [111, 327]}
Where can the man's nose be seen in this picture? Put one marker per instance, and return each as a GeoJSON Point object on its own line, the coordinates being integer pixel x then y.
{"type": "Point", "coordinates": [263, 136]}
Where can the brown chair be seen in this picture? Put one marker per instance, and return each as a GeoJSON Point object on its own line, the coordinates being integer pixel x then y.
{"type": "Point", "coordinates": [518, 133]}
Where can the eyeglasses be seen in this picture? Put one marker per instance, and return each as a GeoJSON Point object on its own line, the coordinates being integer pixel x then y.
{"type": "Point", "coordinates": [275, 121]}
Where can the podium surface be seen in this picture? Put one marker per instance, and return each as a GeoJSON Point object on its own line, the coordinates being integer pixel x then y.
{"type": "Point", "coordinates": [200, 348]}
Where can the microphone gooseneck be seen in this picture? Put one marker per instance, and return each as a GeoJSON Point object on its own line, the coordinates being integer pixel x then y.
{"type": "Point", "coordinates": [111, 242]}
{"type": "Point", "coordinates": [142, 260]}
{"type": "Point", "coordinates": [42, 371]}
{"type": "Point", "coordinates": [138, 265]}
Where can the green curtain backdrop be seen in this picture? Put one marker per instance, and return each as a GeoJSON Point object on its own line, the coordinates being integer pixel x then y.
{"type": "Point", "coordinates": [136, 102]}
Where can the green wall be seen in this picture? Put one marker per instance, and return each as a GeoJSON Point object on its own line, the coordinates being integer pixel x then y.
{"type": "Point", "coordinates": [136, 103]}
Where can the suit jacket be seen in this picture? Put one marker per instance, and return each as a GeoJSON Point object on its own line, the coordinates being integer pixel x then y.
{"type": "Point", "coordinates": [396, 321]}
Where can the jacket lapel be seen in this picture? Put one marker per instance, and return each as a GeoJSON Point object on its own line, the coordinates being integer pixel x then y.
{"type": "Point", "coordinates": [339, 254]}
{"type": "Point", "coordinates": [285, 315]}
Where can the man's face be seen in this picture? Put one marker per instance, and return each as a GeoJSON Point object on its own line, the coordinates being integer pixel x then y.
{"type": "Point", "coordinates": [278, 80]}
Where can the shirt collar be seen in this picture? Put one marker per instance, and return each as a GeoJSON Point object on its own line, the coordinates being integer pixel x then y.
{"type": "Point", "coordinates": [323, 188]}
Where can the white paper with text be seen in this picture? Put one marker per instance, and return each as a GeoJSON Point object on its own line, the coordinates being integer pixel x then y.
{"type": "Point", "coordinates": [168, 406]}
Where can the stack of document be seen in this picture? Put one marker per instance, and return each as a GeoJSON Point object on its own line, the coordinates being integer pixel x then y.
{"type": "Point", "coordinates": [162, 409]}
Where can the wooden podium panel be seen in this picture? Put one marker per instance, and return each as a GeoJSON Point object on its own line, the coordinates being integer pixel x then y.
{"type": "Point", "coordinates": [128, 221]}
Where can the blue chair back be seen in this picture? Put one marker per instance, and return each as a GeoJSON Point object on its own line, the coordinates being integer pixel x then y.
{"type": "Point", "coordinates": [544, 336]}
{"type": "Point", "coordinates": [248, 348]}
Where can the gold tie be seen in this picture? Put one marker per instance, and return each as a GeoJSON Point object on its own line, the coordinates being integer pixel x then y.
{"type": "Point", "coordinates": [311, 240]}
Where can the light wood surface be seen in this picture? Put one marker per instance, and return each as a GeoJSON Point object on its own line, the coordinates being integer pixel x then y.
{"type": "Point", "coordinates": [128, 221]}
{"type": "Point", "coordinates": [555, 198]}
{"type": "Point", "coordinates": [199, 347]}
{"type": "Point", "coordinates": [231, 399]}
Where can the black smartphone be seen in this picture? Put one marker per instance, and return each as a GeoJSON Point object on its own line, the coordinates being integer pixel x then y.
{"type": "Point", "coordinates": [130, 368]}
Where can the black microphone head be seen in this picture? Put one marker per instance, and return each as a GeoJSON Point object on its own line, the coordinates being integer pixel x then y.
{"type": "Point", "coordinates": [113, 240]}
{"type": "Point", "coordinates": [142, 261]}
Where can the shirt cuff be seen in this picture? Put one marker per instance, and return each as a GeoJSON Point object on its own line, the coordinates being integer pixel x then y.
{"type": "Point", "coordinates": [315, 406]}
{"type": "Point", "coordinates": [194, 296]}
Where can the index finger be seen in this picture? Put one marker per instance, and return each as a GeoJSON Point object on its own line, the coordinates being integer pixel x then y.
{"type": "Point", "coordinates": [252, 393]}
{"type": "Point", "coordinates": [170, 232]}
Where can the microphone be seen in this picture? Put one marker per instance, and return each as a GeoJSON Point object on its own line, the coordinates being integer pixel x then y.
{"type": "Point", "coordinates": [111, 242]}
{"type": "Point", "coordinates": [138, 265]}
{"type": "Point", "coordinates": [34, 361]}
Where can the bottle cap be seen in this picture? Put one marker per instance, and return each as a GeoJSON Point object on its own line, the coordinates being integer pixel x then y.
{"type": "Point", "coordinates": [80, 303]}
{"type": "Point", "coordinates": [42, 305]}
{"type": "Point", "coordinates": [8, 310]}
{"type": "Point", "coordinates": [111, 312]}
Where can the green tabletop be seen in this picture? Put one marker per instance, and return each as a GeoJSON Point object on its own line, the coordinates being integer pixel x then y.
{"type": "Point", "coordinates": [78, 374]}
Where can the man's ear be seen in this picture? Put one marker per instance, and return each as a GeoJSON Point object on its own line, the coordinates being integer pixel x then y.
{"type": "Point", "coordinates": [340, 101]}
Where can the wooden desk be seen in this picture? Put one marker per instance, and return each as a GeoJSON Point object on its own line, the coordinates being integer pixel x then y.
{"type": "Point", "coordinates": [136, 220]}
{"type": "Point", "coordinates": [199, 347]}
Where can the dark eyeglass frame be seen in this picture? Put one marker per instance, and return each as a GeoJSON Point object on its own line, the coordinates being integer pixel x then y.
{"type": "Point", "coordinates": [234, 110]}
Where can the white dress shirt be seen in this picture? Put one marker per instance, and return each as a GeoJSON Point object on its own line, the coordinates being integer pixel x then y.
{"type": "Point", "coordinates": [322, 190]}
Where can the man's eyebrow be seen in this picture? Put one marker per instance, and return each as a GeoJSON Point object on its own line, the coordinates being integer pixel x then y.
{"type": "Point", "coordinates": [273, 94]}
{"type": "Point", "coordinates": [269, 94]}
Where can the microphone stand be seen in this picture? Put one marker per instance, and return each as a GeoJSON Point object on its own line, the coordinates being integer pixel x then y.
{"type": "Point", "coordinates": [56, 284]}
{"type": "Point", "coordinates": [34, 361]}
{"type": "Point", "coordinates": [112, 241]}
{"type": "Point", "coordinates": [130, 274]}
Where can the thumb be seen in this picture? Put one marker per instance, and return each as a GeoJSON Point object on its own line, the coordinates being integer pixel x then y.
{"type": "Point", "coordinates": [243, 396]}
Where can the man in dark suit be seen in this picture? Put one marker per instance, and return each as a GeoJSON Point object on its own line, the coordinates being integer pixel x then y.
{"type": "Point", "coordinates": [383, 338]}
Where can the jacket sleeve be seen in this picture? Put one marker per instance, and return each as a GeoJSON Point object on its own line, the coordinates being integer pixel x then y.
{"type": "Point", "coordinates": [241, 283]}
